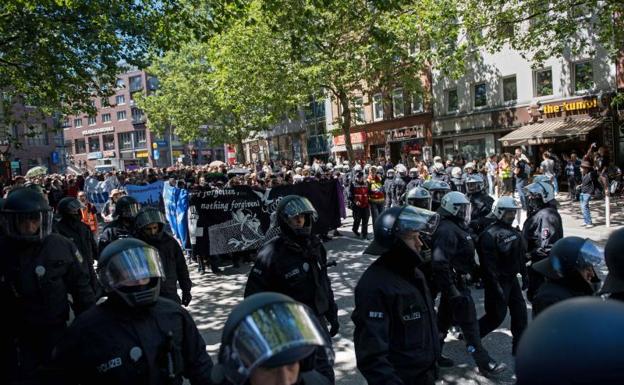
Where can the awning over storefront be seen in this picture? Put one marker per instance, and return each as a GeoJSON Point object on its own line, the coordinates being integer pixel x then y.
{"type": "Point", "coordinates": [550, 131]}
{"type": "Point", "coordinates": [343, 148]}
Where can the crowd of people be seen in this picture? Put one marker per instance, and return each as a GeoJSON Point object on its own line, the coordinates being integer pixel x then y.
{"type": "Point", "coordinates": [440, 231]}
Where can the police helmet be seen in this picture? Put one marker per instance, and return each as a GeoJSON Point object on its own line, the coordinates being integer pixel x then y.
{"type": "Point", "coordinates": [419, 197]}
{"type": "Point", "coordinates": [401, 169]}
{"type": "Point", "coordinates": [469, 167]}
{"type": "Point", "coordinates": [392, 222]}
{"type": "Point", "coordinates": [147, 216]}
{"type": "Point", "coordinates": [456, 172]}
{"type": "Point", "coordinates": [390, 173]}
{"type": "Point", "coordinates": [438, 189]}
{"type": "Point", "coordinates": [576, 341]}
{"type": "Point", "coordinates": [539, 193]}
{"type": "Point", "coordinates": [505, 209]}
{"type": "Point", "coordinates": [69, 207]}
{"type": "Point", "coordinates": [474, 183]}
{"type": "Point", "coordinates": [568, 256]}
{"type": "Point", "coordinates": [267, 330]}
{"type": "Point", "coordinates": [291, 206]}
{"type": "Point", "coordinates": [438, 168]}
{"type": "Point", "coordinates": [413, 172]}
{"type": "Point", "coordinates": [357, 167]}
{"type": "Point", "coordinates": [614, 258]}
{"type": "Point", "coordinates": [126, 207]}
{"type": "Point", "coordinates": [27, 215]}
{"type": "Point", "coordinates": [131, 270]}
{"type": "Point", "coordinates": [457, 205]}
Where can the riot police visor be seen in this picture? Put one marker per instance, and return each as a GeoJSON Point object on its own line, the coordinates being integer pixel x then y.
{"type": "Point", "coordinates": [437, 195]}
{"type": "Point", "coordinates": [423, 203]}
{"type": "Point", "coordinates": [132, 267]}
{"type": "Point", "coordinates": [473, 187]}
{"type": "Point", "coordinates": [464, 212]}
{"type": "Point", "coordinates": [590, 254]}
{"type": "Point", "coordinates": [130, 211]}
{"type": "Point", "coordinates": [297, 207]}
{"type": "Point", "coordinates": [417, 219]}
{"type": "Point", "coordinates": [30, 226]}
{"type": "Point", "coordinates": [275, 335]}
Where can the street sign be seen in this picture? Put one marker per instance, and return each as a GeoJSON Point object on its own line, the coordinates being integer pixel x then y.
{"type": "Point", "coordinates": [156, 154]}
{"type": "Point", "coordinates": [161, 143]}
{"type": "Point", "coordinates": [54, 157]}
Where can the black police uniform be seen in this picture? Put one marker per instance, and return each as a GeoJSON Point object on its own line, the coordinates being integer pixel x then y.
{"type": "Point", "coordinates": [398, 189]}
{"type": "Point", "coordinates": [396, 337]}
{"type": "Point", "coordinates": [112, 344]}
{"type": "Point", "coordinates": [541, 230]}
{"type": "Point", "coordinates": [35, 280]}
{"type": "Point", "coordinates": [554, 291]}
{"type": "Point", "coordinates": [117, 229]}
{"type": "Point", "coordinates": [82, 236]}
{"type": "Point", "coordinates": [174, 266]}
{"type": "Point", "coordinates": [457, 184]}
{"type": "Point", "coordinates": [454, 258]}
{"type": "Point", "coordinates": [388, 188]}
{"type": "Point", "coordinates": [415, 182]}
{"type": "Point", "coordinates": [502, 257]}
{"type": "Point", "coordinates": [299, 271]}
{"type": "Point", "coordinates": [481, 204]}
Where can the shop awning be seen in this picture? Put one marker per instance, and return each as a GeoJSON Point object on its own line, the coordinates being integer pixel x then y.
{"type": "Point", "coordinates": [550, 131]}
{"type": "Point", "coordinates": [343, 148]}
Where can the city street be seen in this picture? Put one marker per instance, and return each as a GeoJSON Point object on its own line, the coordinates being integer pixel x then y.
{"type": "Point", "coordinates": [214, 297]}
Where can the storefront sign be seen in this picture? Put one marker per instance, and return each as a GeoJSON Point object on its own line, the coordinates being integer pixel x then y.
{"type": "Point", "coordinates": [356, 138]}
{"type": "Point", "coordinates": [571, 106]}
{"type": "Point", "coordinates": [95, 155]}
{"type": "Point", "coordinates": [536, 141]}
{"type": "Point", "coordinates": [95, 131]}
{"type": "Point", "coordinates": [142, 154]}
{"type": "Point", "coordinates": [405, 133]}
{"type": "Point", "coordinates": [109, 154]}
{"type": "Point", "coordinates": [161, 143]}
{"type": "Point", "coordinates": [176, 153]}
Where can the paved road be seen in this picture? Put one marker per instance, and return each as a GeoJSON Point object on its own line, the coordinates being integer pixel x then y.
{"type": "Point", "coordinates": [214, 297]}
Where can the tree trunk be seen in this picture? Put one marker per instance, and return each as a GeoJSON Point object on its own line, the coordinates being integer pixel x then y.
{"type": "Point", "coordinates": [240, 151]}
{"type": "Point", "coordinates": [345, 124]}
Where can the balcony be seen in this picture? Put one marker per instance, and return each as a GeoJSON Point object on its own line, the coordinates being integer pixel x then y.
{"type": "Point", "coordinates": [138, 119]}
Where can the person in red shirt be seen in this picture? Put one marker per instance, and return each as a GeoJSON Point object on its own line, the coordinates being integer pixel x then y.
{"type": "Point", "coordinates": [358, 194]}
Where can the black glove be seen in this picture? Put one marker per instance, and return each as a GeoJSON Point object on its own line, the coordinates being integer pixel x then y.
{"type": "Point", "coordinates": [334, 327]}
{"type": "Point", "coordinates": [525, 282]}
{"type": "Point", "coordinates": [186, 298]}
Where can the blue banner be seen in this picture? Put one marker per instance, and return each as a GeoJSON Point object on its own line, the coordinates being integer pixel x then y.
{"type": "Point", "coordinates": [148, 195]}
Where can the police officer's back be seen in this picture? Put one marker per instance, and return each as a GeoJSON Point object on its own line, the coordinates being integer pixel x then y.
{"type": "Point", "coordinates": [37, 272]}
{"type": "Point", "coordinates": [150, 223]}
{"type": "Point", "coordinates": [396, 337]}
{"type": "Point", "coordinates": [295, 264]}
{"type": "Point", "coordinates": [614, 259]}
{"type": "Point", "coordinates": [542, 228]}
{"type": "Point", "coordinates": [481, 203]}
{"type": "Point", "coordinates": [569, 271]}
{"type": "Point", "coordinates": [71, 227]}
{"type": "Point", "coordinates": [135, 336]}
{"type": "Point", "coordinates": [388, 187]}
{"type": "Point", "coordinates": [249, 353]}
{"type": "Point", "coordinates": [122, 226]}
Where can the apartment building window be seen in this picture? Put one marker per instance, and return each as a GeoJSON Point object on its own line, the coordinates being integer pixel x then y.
{"type": "Point", "coordinates": [137, 115]}
{"type": "Point", "coordinates": [94, 143]}
{"type": "Point", "coordinates": [120, 84]}
{"type": "Point", "coordinates": [125, 140]}
{"type": "Point", "coordinates": [417, 103]}
{"type": "Point", "coordinates": [109, 141]}
{"type": "Point", "coordinates": [78, 123]}
{"type": "Point", "coordinates": [106, 118]}
{"type": "Point", "coordinates": [92, 120]}
{"type": "Point", "coordinates": [69, 147]}
{"type": "Point", "coordinates": [480, 95]}
{"type": "Point", "coordinates": [152, 83]}
{"type": "Point", "coordinates": [452, 102]}
{"type": "Point", "coordinates": [358, 110]}
{"type": "Point", "coordinates": [398, 106]}
{"type": "Point", "coordinates": [543, 82]}
{"type": "Point", "coordinates": [121, 115]}
{"type": "Point", "coordinates": [66, 123]}
{"type": "Point", "coordinates": [37, 135]}
{"type": "Point", "coordinates": [136, 83]}
{"type": "Point", "coordinates": [583, 76]}
{"type": "Point", "coordinates": [378, 108]}
{"type": "Point", "coordinates": [120, 99]}
{"type": "Point", "coordinates": [81, 146]}
{"type": "Point", "coordinates": [510, 89]}
{"type": "Point", "coordinates": [140, 139]}
{"type": "Point", "coordinates": [105, 102]}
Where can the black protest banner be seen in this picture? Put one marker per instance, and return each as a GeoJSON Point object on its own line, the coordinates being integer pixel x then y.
{"type": "Point", "coordinates": [237, 218]}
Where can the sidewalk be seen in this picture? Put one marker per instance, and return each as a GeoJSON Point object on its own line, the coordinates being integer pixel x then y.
{"type": "Point", "coordinates": [573, 218]}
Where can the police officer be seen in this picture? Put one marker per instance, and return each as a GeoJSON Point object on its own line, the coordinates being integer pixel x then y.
{"type": "Point", "coordinates": [542, 228]}
{"type": "Point", "coordinates": [437, 189]}
{"type": "Point", "coordinates": [578, 341]}
{"type": "Point", "coordinates": [415, 180]}
{"type": "Point", "coordinates": [439, 173]}
{"type": "Point", "coordinates": [122, 225]}
{"type": "Point", "coordinates": [71, 227]}
{"type": "Point", "coordinates": [614, 258]}
{"type": "Point", "coordinates": [502, 258]}
{"type": "Point", "coordinates": [135, 336]}
{"type": "Point", "coordinates": [569, 271]}
{"type": "Point", "coordinates": [480, 202]}
{"type": "Point", "coordinates": [388, 187]}
{"type": "Point", "coordinates": [150, 224]}
{"type": "Point", "coordinates": [396, 337]}
{"type": "Point", "coordinates": [457, 180]}
{"type": "Point", "coordinates": [453, 260]}
{"type": "Point", "coordinates": [399, 185]}
{"type": "Point", "coordinates": [295, 264]}
{"type": "Point", "coordinates": [250, 353]}
{"type": "Point", "coordinates": [38, 270]}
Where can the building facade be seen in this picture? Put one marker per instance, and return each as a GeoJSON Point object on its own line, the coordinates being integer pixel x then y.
{"type": "Point", "coordinates": [504, 101]}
